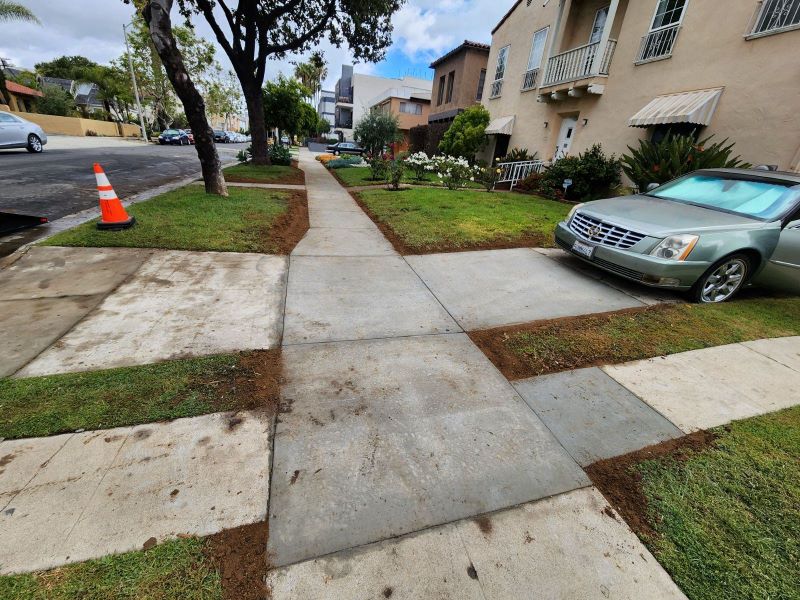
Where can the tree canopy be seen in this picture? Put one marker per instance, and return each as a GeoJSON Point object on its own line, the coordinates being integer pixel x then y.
{"type": "Point", "coordinates": [65, 67]}
{"type": "Point", "coordinates": [467, 134]}
{"type": "Point", "coordinates": [375, 131]}
{"type": "Point", "coordinates": [283, 104]}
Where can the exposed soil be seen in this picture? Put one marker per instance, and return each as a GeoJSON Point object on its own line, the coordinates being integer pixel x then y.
{"type": "Point", "coordinates": [240, 556]}
{"type": "Point", "coordinates": [253, 384]}
{"type": "Point", "coordinates": [287, 230]}
{"type": "Point", "coordinates": [533, 240]}
{"type": "Point", "coordinates": [621, 483]}
{"type": "Point", "coordinates": [493, 342]}
{"type": "Point", "coordinates": [294, 177]}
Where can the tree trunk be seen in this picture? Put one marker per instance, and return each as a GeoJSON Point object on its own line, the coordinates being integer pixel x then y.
{"type": "Point", "coordinates": [258, 128]}
{"type": "Point", "coordinates": [156, 14]}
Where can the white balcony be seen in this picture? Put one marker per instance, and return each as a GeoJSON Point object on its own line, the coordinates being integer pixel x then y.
{"type": "Point", "coordinates": [578, 63]}
{"type": "Point", "coordinates": [658, 44]}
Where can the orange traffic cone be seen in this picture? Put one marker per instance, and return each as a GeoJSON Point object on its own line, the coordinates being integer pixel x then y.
{"type": "Point", "coordinates": [114, 215]}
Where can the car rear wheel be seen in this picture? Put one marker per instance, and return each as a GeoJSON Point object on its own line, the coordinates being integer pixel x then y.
{"type": "Point", "coordinates": [723, 280]}
{"type": "Point", "coordinates": [34, 144]}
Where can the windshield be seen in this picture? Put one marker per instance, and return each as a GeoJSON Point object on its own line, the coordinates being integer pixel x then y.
{"type": "Point", "coordinates": [171, 132]}
{"type": "Point", "coordinates": [763, 200]}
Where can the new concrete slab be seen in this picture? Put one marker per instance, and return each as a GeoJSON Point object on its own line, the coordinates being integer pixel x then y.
{"type": "Point", "coordinates": [48, 290]}
{"type": "Point", "coordinates": [592, 415]}
{"type": "Point", "coordinates": [786, 350]}
{"type": "Point", "coordinates": [385, 437]}
{"type": "Point", "coordinates": [104, 492]}
{"type": "Point", "coordinates": [501, 287]}
{"type": "Point", "coordinates": [711, 387]}
{"type": "Point", "coordinates": [568, 547]}
{"type": "Point", "coordinates": [337, 241]}
{"type": "Point", "coordinates": [340, 219]}
{"type": "Point", "coordinates": [348, 298]}
{"type": "Point", "coordinates": [177, 304]}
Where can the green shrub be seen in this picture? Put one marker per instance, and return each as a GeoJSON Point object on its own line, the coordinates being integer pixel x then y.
{"type": "Point", "coordinates": [467, 133]}
{"type": "Point", "coordinates": [56, 101]}
{"type": "Point", "coordinates": [517, 155]}
{"type": "Point", "coordinates": [343, 163]}
{"type": "Point", "coordinates": [397, 168]}
{"type": "Point", "coordinates": [593, 174]}
{"type": "Point", "coordinates": [379, 168]}
{"type": "Point", "coordinates": [674, 156]}
{"type": "Point", "coordinates": [532, 183]}
{"type": "Point", "coordinates": [245, 155]}
{"type": "Point", "coordinates": [280, 155]}
{"type": "Point", "coordinates": [488, 176]}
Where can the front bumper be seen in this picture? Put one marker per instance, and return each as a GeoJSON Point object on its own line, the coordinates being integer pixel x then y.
{"type": "Point", "coordinates": [642, 268]}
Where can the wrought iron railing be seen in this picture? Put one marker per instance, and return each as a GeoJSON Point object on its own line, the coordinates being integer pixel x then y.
{"type": "Point", "coordinates": [578, 63]}
{"type": "Point", "coordinates": [658, 44]}
{"type": "Point", "coordinates": [529, 79]}
{"type": "Point", "coordinates": [772, 16]}
{"type": "Point", "coordinates": [496, 89]}
{"type": "Point", "coordinates": [513, 172]}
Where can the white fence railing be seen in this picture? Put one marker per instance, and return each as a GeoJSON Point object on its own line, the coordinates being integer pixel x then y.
{"type": "Point", "coordinates": [513, 172]}
{"type": "Point", "coordinates": [658, 44]}
{"type": "Point", "coordinates": [578, 63]}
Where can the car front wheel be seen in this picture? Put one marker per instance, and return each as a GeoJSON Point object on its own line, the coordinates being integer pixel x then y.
{"type": "Point", "coordinates": [34, 144]}
{"type": "Point", "coordinates": [723, 280]}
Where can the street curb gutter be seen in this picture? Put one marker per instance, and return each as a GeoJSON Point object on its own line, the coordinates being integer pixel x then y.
{"type": "Point", "coordinates": [73, 220]}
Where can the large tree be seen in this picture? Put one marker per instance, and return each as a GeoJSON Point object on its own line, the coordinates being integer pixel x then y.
{"type": "Point", "coordinates": [256, 30]}
{"type": "Point", "coordinates": [65, 67]}
{"type": "Point", "coordinates": [283, 101]}
{"type": "Point", "coordinates": [157, 15]}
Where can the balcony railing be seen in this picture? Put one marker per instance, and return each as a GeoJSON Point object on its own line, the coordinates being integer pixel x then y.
{"type": "Point", "coordinates": [345, 99]}
{"type": "Point", "coordinates": [496, 89]}
{"type": "Point", "coordinates": [774, 16]}
{"type": "Point", "coordinates": [578, 63]}
{"type": "Point", "coordinates": [658, 44]}
{"type": "Point", "coordinates": [529, 80]}
{"type": "Point", "coordinates": [344, 124]}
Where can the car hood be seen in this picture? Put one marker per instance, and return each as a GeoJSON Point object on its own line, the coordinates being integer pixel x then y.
{"type": "Point", "coordinates": [658, 217]}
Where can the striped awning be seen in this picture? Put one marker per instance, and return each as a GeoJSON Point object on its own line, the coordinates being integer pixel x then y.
{"type": "Point", "coordinates": [686, 107]}
{"type": "Point", "coordinates": [501, 126]}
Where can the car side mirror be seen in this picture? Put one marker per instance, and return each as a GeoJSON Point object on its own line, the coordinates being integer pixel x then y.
{"type": "Point", "coordinates": [651, 186]}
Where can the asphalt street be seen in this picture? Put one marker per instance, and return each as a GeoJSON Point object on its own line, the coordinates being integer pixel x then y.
{"type": "Point", "coordinates": [60, 181]}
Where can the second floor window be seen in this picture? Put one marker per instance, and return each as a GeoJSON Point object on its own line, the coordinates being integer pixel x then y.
{"type": "Point", "coordinates": [502, 60]}
{"type": "Point", "coordinates": [777, 14]}
{"type": "Point", "coordinates": [658, 43]}
{"type": "Point", "coordinates": [451, 80]}
{"type": "Point", "coordinates": [481, 83]}
{"type": "Point", "coordinates": [535, 59]}
{"type": "Point", "coordinates": [440, 94]}
{"type": "Point", "coordinates": [411, 108]}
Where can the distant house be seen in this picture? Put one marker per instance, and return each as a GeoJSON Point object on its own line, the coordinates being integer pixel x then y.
{"type": "Point", "coordinates": [458, 80]}
{"type": "Point", "coordinates": [86, 97]}
{"type": "Point", "coordinates": [409, 105]}
{"type": "Point", "coordinates": [326, 107]}
{"type": "Point", "coordinates": [21, 98]}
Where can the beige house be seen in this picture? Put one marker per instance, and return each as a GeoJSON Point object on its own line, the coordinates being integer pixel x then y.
{"type": "Point", "coordinates": [566, 74]}
{"type": "Point", "coordinates": [409, 105]}
{"type": "Point", "coordinates": [458, 80]}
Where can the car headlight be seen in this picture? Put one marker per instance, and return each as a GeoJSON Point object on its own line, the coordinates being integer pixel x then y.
{"type": "Point", "coordinates": [572, 211]}
{"type": "Point", "coordinates": [675, 247]}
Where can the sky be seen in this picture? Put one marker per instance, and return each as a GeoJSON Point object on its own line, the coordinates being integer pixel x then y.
{"type": "Point", "coordinates": [423, 30]}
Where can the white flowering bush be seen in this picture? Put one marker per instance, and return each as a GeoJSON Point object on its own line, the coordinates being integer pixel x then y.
{"type": "Point", "coordinates": [419, 163]}
{"type": "Point", "coordinates": [452, 170]}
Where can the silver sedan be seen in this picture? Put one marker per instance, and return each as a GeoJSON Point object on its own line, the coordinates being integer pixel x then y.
{"type": "Point", "coordinates": [16, 132]}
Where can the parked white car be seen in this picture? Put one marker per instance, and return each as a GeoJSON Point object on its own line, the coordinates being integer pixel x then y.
{"type": "Point", "coordinates": [16, 132]}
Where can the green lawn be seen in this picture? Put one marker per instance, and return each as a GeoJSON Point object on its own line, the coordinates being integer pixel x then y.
{"type": "Point", "coordinates": [358, 176]}
{"type": "Point", "coordinates": [190, 219]}
{"type": "Point", "coordinates": [632, 335]}
{"type": "Point", "coordinates": [174, 570]}
{"type": "Point", "coordinates": [727, 519]}
{"type": "Point", "coordinates": [427, 219]}
{"type": "Point", "coordinates": [40, 406]}
{"type": "Point", "coordinates": [276, 174]}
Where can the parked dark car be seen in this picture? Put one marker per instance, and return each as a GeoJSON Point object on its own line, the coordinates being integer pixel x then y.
{"type": "Point", "coordinates": [346, 148]}
{"type": "Point", "coordinates": [220, 135]}
{"type": "Point", "coordinates": [177, 137]}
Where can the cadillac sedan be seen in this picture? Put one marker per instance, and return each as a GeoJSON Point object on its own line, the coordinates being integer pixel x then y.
{"type": "Point", "coordinates": [711, 233]}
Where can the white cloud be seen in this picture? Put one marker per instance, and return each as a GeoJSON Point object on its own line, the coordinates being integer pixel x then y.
{"type": "Point", "coordinates": [417, 32]}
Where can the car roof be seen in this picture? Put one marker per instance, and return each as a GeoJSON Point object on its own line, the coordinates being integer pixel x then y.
{"type": "Point", "coordinates": [760, 174]}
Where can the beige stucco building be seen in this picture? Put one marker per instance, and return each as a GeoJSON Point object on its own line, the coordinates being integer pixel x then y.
{"type": "Point", "coordinates": [410, 105]}
{"type": "Point", "coordinates": [458, 80]}
{"type": "Point", "coordinates": [566, 74]}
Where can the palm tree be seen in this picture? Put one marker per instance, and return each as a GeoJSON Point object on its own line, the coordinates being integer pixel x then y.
{"type": "Point", "coordinates": [320, 68]}
{"type": "Point", "coordinates": [11, 11]}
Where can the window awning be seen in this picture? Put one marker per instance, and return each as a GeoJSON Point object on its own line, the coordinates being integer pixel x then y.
{"type": "Point", "coordinates": [501, 126]}
{"type": "Point", "coordinates": [686, 107]}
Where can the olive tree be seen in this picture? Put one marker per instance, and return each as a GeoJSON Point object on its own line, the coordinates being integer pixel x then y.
{"type": "Point", "coordinates": [375, 131]}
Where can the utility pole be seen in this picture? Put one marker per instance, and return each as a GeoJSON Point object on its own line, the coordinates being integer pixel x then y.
{"type": "Point", "coordinates": [135, 87]}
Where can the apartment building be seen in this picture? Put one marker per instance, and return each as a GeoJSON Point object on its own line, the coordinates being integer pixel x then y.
{"type": "Point", "coordinates": [411, 106]}
{"type": "Point", "coordinates": [354, 91]}
{"type": "Point", "coordinates": [458, 80]}
{"type": "Point", "coordinates": [566, 74]}
{"type": "Point", "coordinates": [326, 107]}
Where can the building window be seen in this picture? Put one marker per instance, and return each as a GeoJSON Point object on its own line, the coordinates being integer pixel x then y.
{"type": "Point", "coordinates": [658, 43]}
{"type": "Point", "coordinates": [481, 83]}
{"type": "Point", "coordinates": [440, 95]}
{"type": "Point", "coordinates": [411, 108]}
{"type": "Point", "coordinates": [451, 80]}
{"type": "Point", "coordinates": [777, 15]}
{"type": "Point", "coordinates": [535, 59]}
{"type": "Point", "coordinates": [600, 18]}
{"type": "Point", "coordinates": [500, 71]}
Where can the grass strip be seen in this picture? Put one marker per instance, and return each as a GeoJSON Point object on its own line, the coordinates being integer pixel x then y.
{"type": "Point", "coordinates": [277, 174]}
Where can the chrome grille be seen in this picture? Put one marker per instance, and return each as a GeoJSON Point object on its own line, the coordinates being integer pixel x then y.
{"type": "Point", "coordinates": [603, 233]}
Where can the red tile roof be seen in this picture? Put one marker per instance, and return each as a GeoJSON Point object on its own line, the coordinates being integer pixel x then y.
{"type": "Point", "coordinates": [16, 88]}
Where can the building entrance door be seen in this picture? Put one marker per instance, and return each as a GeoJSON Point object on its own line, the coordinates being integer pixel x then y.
{"type": "Point", "coordinates": [565, 136]}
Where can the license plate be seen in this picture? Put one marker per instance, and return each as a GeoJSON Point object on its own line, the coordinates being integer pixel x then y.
{"type": "Point", "coordinates": [583, 249]}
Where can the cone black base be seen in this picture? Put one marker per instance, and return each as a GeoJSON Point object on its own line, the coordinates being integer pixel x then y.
{"type": "Point", "coordinates": [116, 226]}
